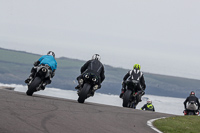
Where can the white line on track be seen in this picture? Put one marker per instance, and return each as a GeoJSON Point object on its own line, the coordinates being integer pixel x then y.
{"type": "Point", "coordinates": [149, 123]}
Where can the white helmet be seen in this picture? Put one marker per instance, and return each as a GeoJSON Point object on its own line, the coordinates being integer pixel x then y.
{"type": "Point", "coordinates": [96, 57]}
{"type": "Point", "coordinates": [51, 53]}
{"type": "Point", "coordinates": [149, 101]}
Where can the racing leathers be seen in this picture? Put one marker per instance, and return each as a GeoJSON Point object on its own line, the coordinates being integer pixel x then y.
{"type": "Point", "coordinates": [148, 107]}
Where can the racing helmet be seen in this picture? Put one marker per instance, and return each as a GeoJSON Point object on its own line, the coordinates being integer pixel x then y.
{"type": "Point", "coordinates": [192, 93]}
{"type": "Point", "coordinates": [137, 66]}
{"type": "Point", "coordinates": [149, 101]}
{"type": "Point", "coordinates": [51, 53]}
{"type": "Point", "coordinates": [96, 57]}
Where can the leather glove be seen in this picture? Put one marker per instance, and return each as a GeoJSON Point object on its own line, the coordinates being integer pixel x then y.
{"type": "Point", "coordinates": [36, 63]}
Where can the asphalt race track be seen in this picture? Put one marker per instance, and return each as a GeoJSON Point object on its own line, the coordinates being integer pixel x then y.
{"type": "Point", "coordinates": [20, 113]}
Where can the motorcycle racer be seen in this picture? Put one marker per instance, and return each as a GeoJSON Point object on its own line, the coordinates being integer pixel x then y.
{"type": "Point", "coordinates": [135, 74]}
{"type": "Point", "coordinates": [48, 59]}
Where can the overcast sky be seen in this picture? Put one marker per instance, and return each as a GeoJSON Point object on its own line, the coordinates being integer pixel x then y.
{"type": "Point", "coordinates": [161, 35]}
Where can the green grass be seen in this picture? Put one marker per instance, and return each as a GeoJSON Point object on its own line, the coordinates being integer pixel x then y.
{"type": "Point", "coordinates": [179, 124]}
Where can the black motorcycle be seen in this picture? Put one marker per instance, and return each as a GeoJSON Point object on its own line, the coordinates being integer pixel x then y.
{"type": "Point", "coordinates": [192, 109]}
{"type": "Point", "coordinates": [89, 86]}
{"type": "Point", "coordinates": [130, 99]}
{"type": "Point", "coordinates": [42, 72]}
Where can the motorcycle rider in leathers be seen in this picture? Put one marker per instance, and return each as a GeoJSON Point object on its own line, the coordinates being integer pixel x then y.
{"type": "Point", "coordinates": [135, 74]}
{"type": "Point", "coordinates": [48, 59]}
{"type": "Point", "coordinates": [191, 98]}
{"type": "Point", "coordinates": [94, 66]}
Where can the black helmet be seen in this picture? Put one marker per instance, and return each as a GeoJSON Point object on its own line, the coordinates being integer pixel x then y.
{"type": "Point", "coordinates": [51, 53]}
{"type": "Point", "coordinates": [192, 93]}
{"type": "Point", "coordinates": [96, 57]}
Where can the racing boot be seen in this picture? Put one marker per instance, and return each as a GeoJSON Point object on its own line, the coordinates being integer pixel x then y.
{"type": "Point", "coordinates": [80, 82]}
{"type": "Point", "coordinates": [28, 79]}
{"type": "Point", "coordinates": [122, 93]}
{"type": "Point", "coordinates": [45, 83]}
{"type": "Point", "coordinates": [139, 98]}
{"type": "Point", "coordinates": [43, 86]}
{"type": "Point", "coordinates": [31, 76]}
{"type": "Point", "coordinates": [96, 87]}
{"type": "Point", "coordinates": [92, 93]}
{"type": "Point", "coordinates": [77, 87]}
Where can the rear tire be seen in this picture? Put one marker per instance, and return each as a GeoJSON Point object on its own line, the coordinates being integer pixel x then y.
{"type": "Point", "coordinates": [191, 113]}
{"type": "Point", "coordinates": [126, 98]}
{"type": "Point", "coordinates": [32, 87]}
{"type": "Point", "coordinates": [84, 92]}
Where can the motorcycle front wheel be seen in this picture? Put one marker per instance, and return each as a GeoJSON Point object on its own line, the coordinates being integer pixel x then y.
{"type": "Point", "coordinates": [126, 98]}
{"type": "Point", "coordinates": [84, 92]}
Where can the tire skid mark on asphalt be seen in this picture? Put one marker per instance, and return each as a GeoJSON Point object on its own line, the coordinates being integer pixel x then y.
{"type": "Point", "coordinates": [23, 120]}
{"type": "Point", "coordinates": [45, 121]}
{"type": "Point", "coordinates": [84, 108]}
{"type": "Point", "coordinates": [17, 116]}
{"type": "Point", "coordinates": [45, 110]}
{"type": "Point", "coordinates": [121, 117]}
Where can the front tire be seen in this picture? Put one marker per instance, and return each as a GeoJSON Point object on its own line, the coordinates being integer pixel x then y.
{"type": "Point", "coordinates": [126, 98]}
{"type": "Point", "coordinates": [84, 92]}
{"type": "Point", "coordinates": [32, 87]}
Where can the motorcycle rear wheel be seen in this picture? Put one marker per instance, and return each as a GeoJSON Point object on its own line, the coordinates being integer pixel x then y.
{"type": "Point", "coordinates": [32, 87]}
{"type": "Point", "coordinates": [191, 113]}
